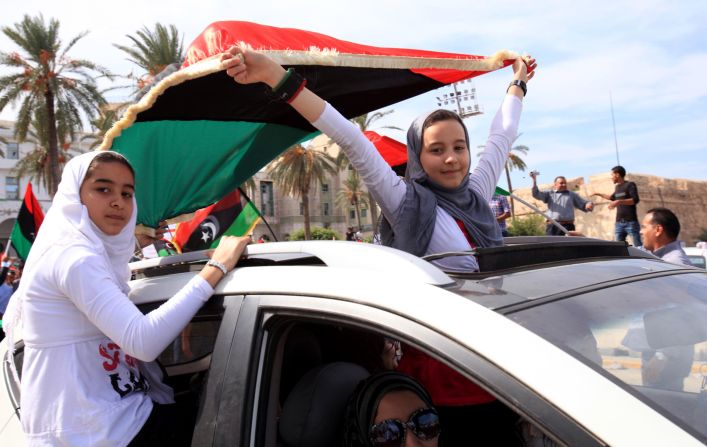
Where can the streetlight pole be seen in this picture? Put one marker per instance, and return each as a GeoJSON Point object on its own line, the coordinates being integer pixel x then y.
{"type": "Point", "coordinates": [462, 99]}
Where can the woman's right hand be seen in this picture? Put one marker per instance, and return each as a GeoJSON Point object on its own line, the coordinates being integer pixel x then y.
{"type": "Point", "coordinates": [230, 249]}
{"type": "Point", "coordinates": [248, 67]}
{"type": "Point", "coordinates": [228, 252]}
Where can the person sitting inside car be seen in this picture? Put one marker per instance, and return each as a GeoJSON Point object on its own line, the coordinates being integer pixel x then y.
{"type": "Point", "coordinates": [88, 375]}
{"type": "Point", "coordinates": [391, 409]}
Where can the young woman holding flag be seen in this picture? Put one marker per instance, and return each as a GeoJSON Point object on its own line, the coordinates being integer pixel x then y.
{"type": "Point", "coordinates": [438, 207]}
{"type": "Point", "coordinates": [88, 376]}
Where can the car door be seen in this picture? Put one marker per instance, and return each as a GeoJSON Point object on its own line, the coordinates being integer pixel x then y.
{"type": "Point", "coordinates": [250, 399]}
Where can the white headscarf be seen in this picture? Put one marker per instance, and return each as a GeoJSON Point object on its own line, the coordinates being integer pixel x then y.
{"type": "Point", "coordinates": [67, 223]}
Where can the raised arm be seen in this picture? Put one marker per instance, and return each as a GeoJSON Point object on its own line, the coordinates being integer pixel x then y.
{"type": "Point", "coordinates": [504, 130]}
{"type": "Point", "coordinates": [247, 67]}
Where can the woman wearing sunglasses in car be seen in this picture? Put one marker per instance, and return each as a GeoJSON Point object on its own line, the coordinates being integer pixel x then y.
{"type": "Point", "coordinates": [88, 376]}
{"type": "Point", "coordinates": [390, 409]}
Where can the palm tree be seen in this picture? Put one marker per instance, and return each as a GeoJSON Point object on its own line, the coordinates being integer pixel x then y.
{"type": "Point", "coordinates": [364, 123]}
{"type": "Point", "coordinates": [35, 164]}
{"type": "Point", "coordinates": [352, 194]}
{"type": "Point", "coordinates": [512, 162]}
{"type": "Point", "coordinates": [102, 123]}
{"type": "Point", "coordinates": [52, 86]}
{"type": "Point", "coordinates": [297, 170]}
{"type": "Point", "coordinates": [154, 50]}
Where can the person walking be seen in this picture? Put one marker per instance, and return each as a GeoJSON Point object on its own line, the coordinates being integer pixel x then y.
{"type": "Point", "coordinates": [624, 199]}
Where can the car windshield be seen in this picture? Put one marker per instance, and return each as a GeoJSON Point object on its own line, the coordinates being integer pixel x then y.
{"type": "Point", "coordinates": [651, 335]}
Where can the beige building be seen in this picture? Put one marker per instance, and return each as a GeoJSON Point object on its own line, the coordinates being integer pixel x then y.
{"type": "Point", "coordinates": [285, 214]}
{"type": "Point", "coordinates": [686, 198]}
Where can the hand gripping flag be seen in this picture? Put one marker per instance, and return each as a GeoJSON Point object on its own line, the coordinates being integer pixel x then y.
{"type": "Point", "coordinates": [29, 219]}
{"type": "Point", "coordinates": [197, 134]}
{"type": "Point", "coordinates": [233, 215]}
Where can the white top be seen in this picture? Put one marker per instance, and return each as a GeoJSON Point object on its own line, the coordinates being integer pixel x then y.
{"type": "Point", "coordinates": [79, 386]}
{"type": "Point", "coordinates": [389, 190]}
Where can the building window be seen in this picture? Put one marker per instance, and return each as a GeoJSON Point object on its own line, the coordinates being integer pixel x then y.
{"type": "Point", "coordinates": [325, 187]}
{"type": "Point", "coordinates": [13, 151]}
{"type": "Point", "coordinates": [301, 208]}
{"type": "Point", "coordinates": [352, 214]}
{"type": "Point", "coordinates": [12, 190]}
{"type": "Point", "coordinates": [350, 167]}
{"type": "Point", "coordinates": [325, 208]}
{"type": "Point", "coordinates": [267, 207]}
{"type": "Point", "coordinates": [364, 212]}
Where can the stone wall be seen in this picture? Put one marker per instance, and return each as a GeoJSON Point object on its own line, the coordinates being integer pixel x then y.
{"type": "Point", "coordinates": [686, 198]}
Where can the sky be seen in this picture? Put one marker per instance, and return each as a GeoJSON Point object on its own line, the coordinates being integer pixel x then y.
{"type": "Point", "coordinates": [642, 56]}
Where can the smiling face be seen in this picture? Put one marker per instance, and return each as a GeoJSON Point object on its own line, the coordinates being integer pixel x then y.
{"type": "Point", "coordinates": [445, 155]}
{"type": "Point", "coordinates": [107, 192]}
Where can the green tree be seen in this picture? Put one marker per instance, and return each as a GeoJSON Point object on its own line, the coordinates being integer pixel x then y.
{"type": "Point", "coordinates": [34, 165]}
{"type": "Point", "coordinates": [318, 234]}
{"type": "Point", "coordinates": [297, 170]}
{"type": "Point", "coordinates": [352, 193]}
{"type": "Point", "coordinates": [154, 50]}
{"type": "Point", "coordinates": [51, 86]}
{"type": "Point", "coordinates": [530, 225]}
{"type": "Point", "coordinates": [364, 122]}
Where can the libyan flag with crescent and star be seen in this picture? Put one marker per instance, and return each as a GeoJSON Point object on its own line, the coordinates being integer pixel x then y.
{"type": "Point", "coordinates": [234, 215]}
{"type": "Point", "coordinates": [197, 134]}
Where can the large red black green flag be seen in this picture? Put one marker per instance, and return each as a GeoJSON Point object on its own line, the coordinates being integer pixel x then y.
{"type": "Point", "coordinates": [197, 134]}
{"type": "Point", "coordinates": [29, 219]}
{"type": "Point", "coordinates": [234, 215]}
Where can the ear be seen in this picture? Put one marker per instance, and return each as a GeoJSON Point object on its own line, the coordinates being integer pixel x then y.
{"type": "Point", "coordinates": [659, 230]}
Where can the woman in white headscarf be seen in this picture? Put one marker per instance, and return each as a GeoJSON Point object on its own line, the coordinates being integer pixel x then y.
{"type": "Point", "coordinates": [84, 376]}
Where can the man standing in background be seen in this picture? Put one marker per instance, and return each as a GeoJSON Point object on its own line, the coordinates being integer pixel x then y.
{"type": "Point", "coordinates": [561, 203]}
{"type": "Point", "coordinates": [624, 199]}
{"type": "Point", "coordinates": [502, 210]}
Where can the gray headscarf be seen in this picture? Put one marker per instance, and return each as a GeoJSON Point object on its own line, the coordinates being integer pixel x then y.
{"type": "Point", "coordinates": [415, 217]}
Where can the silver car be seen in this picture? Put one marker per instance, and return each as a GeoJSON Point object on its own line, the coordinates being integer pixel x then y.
{"type": "Point", "coordinates": [588, 342]}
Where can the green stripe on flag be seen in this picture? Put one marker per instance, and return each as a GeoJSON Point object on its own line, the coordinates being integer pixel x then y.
{"type": "Point", "coordinates": [244, 223]}
{"type": "Point", "coordinates": [19, 242]}
{"type": "Point", "coordinates": [206, 161]}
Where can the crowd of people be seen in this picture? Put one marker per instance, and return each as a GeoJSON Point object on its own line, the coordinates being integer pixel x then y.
{"type": "Point", "coordinates": [74, 308]}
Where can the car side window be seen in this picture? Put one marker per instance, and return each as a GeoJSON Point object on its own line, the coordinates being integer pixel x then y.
{"type": "Point", "coordinates": [650, 336]}
{"type": "Point", "coordinates": [308, 357]}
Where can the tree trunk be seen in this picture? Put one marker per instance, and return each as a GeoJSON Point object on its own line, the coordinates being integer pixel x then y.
{"type": "Point", "coordinates": [305, 209]}
{"type": "Point", "coordinates": [357, 206]}
{"type": "Point", "coordinates": [510, 191]}
{"type": "Point", "coordinates": [53, 149]}
{"type": "Point", "coordinates": [373, 207]}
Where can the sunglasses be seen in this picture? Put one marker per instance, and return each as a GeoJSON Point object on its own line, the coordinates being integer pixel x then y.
{"type": "Point", "coordinates": [424, 423]}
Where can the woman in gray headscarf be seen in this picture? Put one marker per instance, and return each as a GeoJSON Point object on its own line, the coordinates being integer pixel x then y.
{"type": "Point", "coordinates": [439, 206]}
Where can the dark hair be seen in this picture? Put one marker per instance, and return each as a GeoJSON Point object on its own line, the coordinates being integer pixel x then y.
{"type": "Point", "coordinates": [619, 170]}
{"type": "Point", "coordinates": [666, 219]}
{"type": "Point", "coordinates": [443, 115]}
{"type": "Point", "coordinates": [562, 177]}
{"type": "Point", "coordinates": [108, 157]}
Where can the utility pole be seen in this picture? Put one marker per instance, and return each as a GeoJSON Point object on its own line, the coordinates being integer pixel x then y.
{"type": "Point", "coordinates": [613, 122]}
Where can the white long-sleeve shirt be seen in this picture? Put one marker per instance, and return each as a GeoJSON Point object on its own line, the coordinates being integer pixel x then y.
{"type": "Point", "coordinates": [389, 190]}
{"type": "Point", "coordinates": [82, 338]}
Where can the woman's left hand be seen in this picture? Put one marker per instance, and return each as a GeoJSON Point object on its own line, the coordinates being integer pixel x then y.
{"type": "Point", "coordinates": [248, 66]}
{"type": "Point", "coordinates": [524, 68]}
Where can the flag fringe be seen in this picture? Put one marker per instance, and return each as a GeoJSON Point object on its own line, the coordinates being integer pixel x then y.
{"type": "Point", "coordinates": [314, 56]}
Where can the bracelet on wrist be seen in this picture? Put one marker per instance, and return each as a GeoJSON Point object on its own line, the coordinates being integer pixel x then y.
{"type": "Point", "coordinates": [289, 87]}
{"type": "Point", "coordinates": [218, 265]}
{"type": "Point", "coordinates": [520, 84]}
